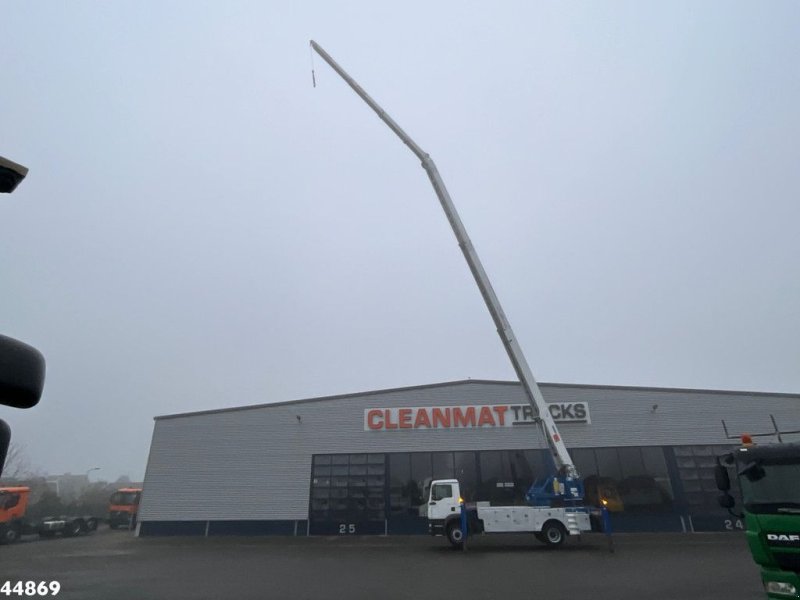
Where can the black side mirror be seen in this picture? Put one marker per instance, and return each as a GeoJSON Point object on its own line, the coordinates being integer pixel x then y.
{"type": "Point", "coordinates": [5, 440]}
{"type": "Point", "coordinates": [753, 471]}
{"type": "Point", "coordinates": [21, 373]}
{"type": "Point", "coordinates": [721, 478]}
{"type": "Point", "coordinates": [11, 174]}
{"type": "Point", "coordinates": [726, 501]}
{"type": "Point", "coordinates": [21, 379]}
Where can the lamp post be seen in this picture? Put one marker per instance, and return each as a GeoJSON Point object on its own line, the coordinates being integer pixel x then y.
{"type": "Point", "coordinates": [90, 470]}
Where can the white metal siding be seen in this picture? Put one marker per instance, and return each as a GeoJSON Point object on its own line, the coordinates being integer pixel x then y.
{"type": "Point", "coordinates": [254, 463]}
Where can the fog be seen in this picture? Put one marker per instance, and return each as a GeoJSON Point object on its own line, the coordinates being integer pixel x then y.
{"type": "Point", "coordinates": [202, 228]}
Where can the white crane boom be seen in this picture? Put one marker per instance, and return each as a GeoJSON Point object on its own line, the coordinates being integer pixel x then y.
{"type": "Point", "coordinates": [560, 454]}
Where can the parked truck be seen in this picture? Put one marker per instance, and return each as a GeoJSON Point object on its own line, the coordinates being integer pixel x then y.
{"type": "Point", "coordinates": [123, 508]}
{"type": "Point", "coordinates": [14, 523]}
{"type": "Point", "coordinates": [549, 524]}
{"type": "Point", "coordinates": [769, 480]}
{"type": "Point", "coordinates": [555, 504]}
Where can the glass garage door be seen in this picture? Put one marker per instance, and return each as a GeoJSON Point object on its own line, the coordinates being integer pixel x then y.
{"type": "Point", "coordinates": [348, 494]}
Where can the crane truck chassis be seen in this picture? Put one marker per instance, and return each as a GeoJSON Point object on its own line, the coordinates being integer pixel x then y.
{"type": "Point", "coordinates": [550, 525]}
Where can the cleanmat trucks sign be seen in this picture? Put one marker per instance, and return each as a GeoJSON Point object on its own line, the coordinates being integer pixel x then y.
{"type": "Point", "coordinates": [457, 417]}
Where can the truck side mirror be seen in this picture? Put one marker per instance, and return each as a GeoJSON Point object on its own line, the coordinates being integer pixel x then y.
{"type": "Point", "coordinates": [21, 380]}
{"type": "Point", "coordinates": [5, 440]}
{"type": "Point", "coordinates": [11, 174]}
{"type": "Point", "coordinates": [726, 501]}
{"type": "Point", "coordinates": [721, 478]}
{"type": "Point", "coordinates": [21, 373]}
{"type": "Point", "coordinates": [753, 471]}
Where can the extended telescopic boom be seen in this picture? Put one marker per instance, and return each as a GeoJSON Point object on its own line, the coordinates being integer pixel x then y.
{"type": "Point", "coordinates": [514, 350]}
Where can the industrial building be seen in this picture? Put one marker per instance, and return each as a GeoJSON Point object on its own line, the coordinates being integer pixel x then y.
{"type": "Point", "coordinates": [360, 463]}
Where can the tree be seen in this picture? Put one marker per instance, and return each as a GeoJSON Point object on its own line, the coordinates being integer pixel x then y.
{"type": "Point", "coordinates": [49, 504]}
{"type": "Point", "coordinates": [94, 499]}
{"type": "Point", "coordinates": [17, 465]}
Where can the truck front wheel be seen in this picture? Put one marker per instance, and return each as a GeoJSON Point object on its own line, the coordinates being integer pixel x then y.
{"type": "Point", "coordinates": [552, 534]}
{"type": "Point", "coordinates": [454, 534]}
{"type": "Point", "coordinates": [9, 534]}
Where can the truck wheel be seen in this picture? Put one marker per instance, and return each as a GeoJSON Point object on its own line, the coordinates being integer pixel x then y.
{"type": "Point", "coordinates": [9, 535]}
{"type": "Point", "coordinates": [455, 535]}
{"type": "Point", "coordinates": [72, 528]}
{"type": "Point", "coordinates": [553, 534]}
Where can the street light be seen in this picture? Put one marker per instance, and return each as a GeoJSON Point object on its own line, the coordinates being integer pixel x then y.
{"type": "Point", "coordinates": [90, 470]}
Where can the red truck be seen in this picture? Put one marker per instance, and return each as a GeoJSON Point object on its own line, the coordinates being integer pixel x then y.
{"type": "Point", "coordinates": [123, 508]}
{"type": "Point", "coordinates": [13, 524]}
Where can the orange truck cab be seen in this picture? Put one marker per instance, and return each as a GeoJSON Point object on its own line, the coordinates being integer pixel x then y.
{"type": "Point", "coordinates": [123, 507]}
{"type": "Point", "coordinates": [13, 504]}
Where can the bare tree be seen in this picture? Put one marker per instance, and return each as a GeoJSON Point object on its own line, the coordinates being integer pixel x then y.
{"type": "Point", "coordinates": [17, 465]}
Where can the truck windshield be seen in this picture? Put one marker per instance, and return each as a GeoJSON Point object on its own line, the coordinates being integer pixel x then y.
{"type": "Point", "coordinates": [8, 501]}
{"type": "Point", "coordinates": [125, 498]}
{"type": "Point", "coordinates": [441, 491]}
{"type": "Point", "coordinates": [778, 489]}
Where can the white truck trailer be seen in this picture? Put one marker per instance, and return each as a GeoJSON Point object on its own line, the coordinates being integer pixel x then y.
{"type": "Point", "coordinates": [555, 504]}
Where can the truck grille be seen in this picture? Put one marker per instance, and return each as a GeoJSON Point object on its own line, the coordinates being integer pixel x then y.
{"type": "Point", "coordinates": [787, 561]}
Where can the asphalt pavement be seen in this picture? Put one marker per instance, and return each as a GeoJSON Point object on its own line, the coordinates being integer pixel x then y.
{"type": "Point", "coordinates": [114, 565]}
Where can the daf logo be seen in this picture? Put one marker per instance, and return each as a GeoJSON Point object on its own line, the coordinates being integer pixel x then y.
{"type": "Point", "coordinates": [784, 538]}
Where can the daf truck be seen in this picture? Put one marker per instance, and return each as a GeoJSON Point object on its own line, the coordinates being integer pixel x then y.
{"type": "Point", "coordinates": [769, 479]}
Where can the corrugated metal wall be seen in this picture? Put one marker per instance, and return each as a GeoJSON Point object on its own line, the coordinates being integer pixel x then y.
{"type": "Point", "coordinates": [255, 463]}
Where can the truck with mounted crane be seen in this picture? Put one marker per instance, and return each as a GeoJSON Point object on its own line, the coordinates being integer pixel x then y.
{"type": "Point", "coordinates": [555, 504]}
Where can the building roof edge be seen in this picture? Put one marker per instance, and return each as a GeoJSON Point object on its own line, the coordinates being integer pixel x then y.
{"type": "Point", "coordinates": [474, 381]}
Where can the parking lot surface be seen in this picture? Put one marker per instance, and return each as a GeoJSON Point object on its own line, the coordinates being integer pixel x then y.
{"type": "Point", "coordinates": [114, 565]}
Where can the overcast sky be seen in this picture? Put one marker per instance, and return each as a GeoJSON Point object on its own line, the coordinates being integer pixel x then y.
{"type": "Point", "coordinates": [201, 228]}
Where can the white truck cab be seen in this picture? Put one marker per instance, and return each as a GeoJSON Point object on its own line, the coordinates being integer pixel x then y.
{"type": "Point", "coordinates": [444, 500]}
{"type": "Point", "coordinates": [550, 525]}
